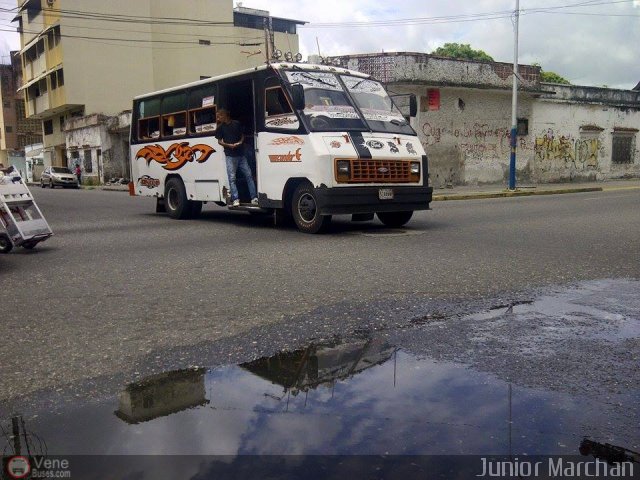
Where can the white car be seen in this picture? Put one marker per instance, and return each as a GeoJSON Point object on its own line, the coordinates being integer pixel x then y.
{"type": "Point", "coordinates": [58, 176]}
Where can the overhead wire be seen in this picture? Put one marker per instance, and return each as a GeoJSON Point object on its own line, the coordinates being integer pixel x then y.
{"type": "Point", "coordinates": [462, 18]}
{"type": "Point", "coordinates": [159, 41]}
{"type": "Point", "coordinates": [189, 22]}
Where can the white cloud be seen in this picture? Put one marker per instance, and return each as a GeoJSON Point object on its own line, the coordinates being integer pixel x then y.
{"type": "Point", "coordinates": [588, 45]}
{"type": "Point", "coordinates": [582, 44]}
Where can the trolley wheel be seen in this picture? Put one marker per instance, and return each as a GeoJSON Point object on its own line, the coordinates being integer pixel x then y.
{"type": "Point", "coordinates": [5, 243]}
{"type": "Point", "coordinates": [29, 245]}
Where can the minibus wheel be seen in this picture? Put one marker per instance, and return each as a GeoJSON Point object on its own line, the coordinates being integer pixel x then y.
{"type": "Point", "coordinates": [195, 207]}
{"type": "Point", "coordinates": [175, 199]}
{"type": "Point", "coordinates": [394, 219]}
{"type": "Point", "coordinates": [305, 212]}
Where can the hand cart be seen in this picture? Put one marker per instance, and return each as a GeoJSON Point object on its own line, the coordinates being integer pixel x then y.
{"type": "Point", "coordinates": [21, 221]}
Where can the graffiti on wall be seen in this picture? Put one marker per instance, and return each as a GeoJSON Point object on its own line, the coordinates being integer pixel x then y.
{"type": "Point", "coordinates": [478, 131]}
{"type": "Point", "coordinates": [558, 152]}
{"type": "Point", "coordinates": [587, 151]}
{"type": "Point", "coordinates": [476, 141]}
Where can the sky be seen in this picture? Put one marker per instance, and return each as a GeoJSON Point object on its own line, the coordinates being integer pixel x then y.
{"type": "Point", "coordinates": [589, 42]}
{"type": "Point", "coordinates": [593, 44]}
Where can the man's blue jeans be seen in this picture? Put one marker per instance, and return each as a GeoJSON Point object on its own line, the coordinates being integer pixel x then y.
{"type": "Point", "coordinates": [233, 164]}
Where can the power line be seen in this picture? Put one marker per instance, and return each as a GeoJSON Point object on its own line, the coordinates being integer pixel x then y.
{"type": "Point", "coordinates": [198, 36]}
{"type": "Point", "coordinates": [472, 17]}
{"type": "Point", "coordinates": [115, 39]}
{"type": "Point", "coordinates": [122, 18]}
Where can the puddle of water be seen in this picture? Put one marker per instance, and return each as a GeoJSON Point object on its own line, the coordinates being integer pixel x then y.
{"type": "Point", "coordinates": [359, 397]}
{"type": "Point", "coordinates": [589, 309]}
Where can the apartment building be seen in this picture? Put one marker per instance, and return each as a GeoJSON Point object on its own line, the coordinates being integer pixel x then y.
{"type": "Point", "coordinates": [16, 131]}
{"type": "Point", "coordinates": [85, 57]}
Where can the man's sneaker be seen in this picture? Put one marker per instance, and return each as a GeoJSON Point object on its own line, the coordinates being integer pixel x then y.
{"type": "Point", "coordinates": [254, 201]}
{"type": "Point", "coordinates": [236, 203]}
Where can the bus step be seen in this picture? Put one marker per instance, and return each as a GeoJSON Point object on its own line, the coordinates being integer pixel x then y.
{"type": "Point", "coordinates": [247, 207]}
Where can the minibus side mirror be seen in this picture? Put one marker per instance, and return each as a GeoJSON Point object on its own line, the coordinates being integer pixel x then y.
{"type": "Point", "coordinates": [297, 96]}
{"type": "Point", "coordinates": [413, 105]}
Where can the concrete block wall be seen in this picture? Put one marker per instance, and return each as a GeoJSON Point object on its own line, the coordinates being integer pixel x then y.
{"type": "Point", "coordinates": [574, 137]}
{"type": "Point", "coordinates": [468, 138]}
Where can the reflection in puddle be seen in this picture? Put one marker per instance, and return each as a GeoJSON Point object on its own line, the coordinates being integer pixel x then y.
{"type": "Point", "coordinates": [340, 398]}
{"type": "Point", "coordinates": [316, 365]}
{"type": "Point", "coordinates": [162, 395]}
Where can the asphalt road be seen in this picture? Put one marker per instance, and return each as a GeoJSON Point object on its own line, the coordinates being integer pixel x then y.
{"type": "Point", "coordinates": [119, 286]}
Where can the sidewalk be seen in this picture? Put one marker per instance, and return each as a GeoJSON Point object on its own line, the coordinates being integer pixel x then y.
{"type": "Point", "coordinates": [527, 189]}
{"type": "Point", "coordinates": [488, 191]}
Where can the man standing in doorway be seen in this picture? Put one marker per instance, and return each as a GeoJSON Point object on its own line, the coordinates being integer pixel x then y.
{"type": "Point", "coordinates": [230, 136]}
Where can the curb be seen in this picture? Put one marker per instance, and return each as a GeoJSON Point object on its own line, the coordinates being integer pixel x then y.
{"type": "Point", "coordinates": [515, 193]}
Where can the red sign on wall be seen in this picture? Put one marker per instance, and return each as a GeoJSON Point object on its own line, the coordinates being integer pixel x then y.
{"type": "Point", "coordinates": [433, 96]}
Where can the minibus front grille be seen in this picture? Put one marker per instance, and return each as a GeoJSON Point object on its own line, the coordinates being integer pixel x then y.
{"type": "Point", "coordinates": [380, 171]}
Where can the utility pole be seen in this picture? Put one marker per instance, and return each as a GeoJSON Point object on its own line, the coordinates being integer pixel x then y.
{"type": "Point", "coordinates": [267, 53]}
{"type": "Point", "coordinates": [514, 102]}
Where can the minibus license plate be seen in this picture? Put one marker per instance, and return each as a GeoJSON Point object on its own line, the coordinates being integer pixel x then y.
{"type": "Point", "coordinates": [385, 194]}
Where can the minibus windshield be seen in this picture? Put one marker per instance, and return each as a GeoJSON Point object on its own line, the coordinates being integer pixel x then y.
{"type": "Point", "coordinates": [327, 106]}
{"type": "Point", "coordinates": [375, 104]}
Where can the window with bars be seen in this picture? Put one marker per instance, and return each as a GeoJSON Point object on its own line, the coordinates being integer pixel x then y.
{"type": "Point", "coordinates": [88, 164]}
{"type": "Point", "coordinates": [622, 147]}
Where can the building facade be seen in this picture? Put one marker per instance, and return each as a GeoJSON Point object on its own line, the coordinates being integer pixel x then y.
{"type": "Point", "coordinates": [16, 131]}
{"type": "Point", "coordinates": [565, 133]}
{"type": "Point", "coordinates": [86, 57]}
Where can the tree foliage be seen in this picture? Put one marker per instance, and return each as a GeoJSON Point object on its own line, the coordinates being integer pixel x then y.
{"type": "Point", "coordinates": [462, 50]}
{"type": "Point", "coordinates": [553, 77]}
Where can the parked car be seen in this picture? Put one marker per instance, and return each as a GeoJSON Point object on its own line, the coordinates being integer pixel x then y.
{"type": "Point", "coordinates": [58, 176]}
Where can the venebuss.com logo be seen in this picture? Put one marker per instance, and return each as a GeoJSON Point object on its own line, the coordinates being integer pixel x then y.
{"type": "Point", "coordinates": [18, 467]}
{"type": "Point", "coordinates": [149, 182]}
{"type": "Point", "coordinates": [177, 155]}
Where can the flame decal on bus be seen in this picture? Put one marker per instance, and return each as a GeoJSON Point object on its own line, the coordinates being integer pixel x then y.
{"type": "Point", "coordinates": [177, 155]}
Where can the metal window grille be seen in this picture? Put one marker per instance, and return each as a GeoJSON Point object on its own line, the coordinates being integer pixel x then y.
{"type": "Point", "coordinates": [88, 164]}
{"type": "Point", "coordinates": [622, 149]}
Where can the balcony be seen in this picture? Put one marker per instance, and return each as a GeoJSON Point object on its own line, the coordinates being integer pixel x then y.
{"type": "Point", "coordinates": [52, 102]}
{"type": "Point", "coordinates": [42, 103]}
{"type": "Point", "coordinates": [54, 57]}
{"type": "Point", "coordinates": [57, 97]}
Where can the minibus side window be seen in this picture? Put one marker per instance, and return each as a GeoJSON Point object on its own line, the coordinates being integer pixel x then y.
{"type": "Point", "coordinates": [276, 102]}
{"type": "Point", "coordinates": [202, 110]}
{"type": "Point", "coordinates": [174, 115]}
{"type": "Point", "coordinates": [278, 110]}
{"type": "Point", "coordinates": [149, 119]}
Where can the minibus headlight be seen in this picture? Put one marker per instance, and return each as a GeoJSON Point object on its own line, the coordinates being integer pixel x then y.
{"type": "Point", "coordinates": [415, 171]}
{"type": "Point", "coordinates": [343, 170]}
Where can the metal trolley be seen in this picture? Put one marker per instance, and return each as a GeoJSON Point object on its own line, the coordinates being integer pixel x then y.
{"type": "Point", "coordinates": [21, 221]}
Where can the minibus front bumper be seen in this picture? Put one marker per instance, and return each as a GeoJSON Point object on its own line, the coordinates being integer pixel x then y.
{"type": "Point", "coordinates": [350, 200]}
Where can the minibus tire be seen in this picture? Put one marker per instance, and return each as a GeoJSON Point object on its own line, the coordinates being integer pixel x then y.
{"type": "Point", "coordinates": [175, 199]}
{"type": "Point", "coordinates": [195, 207]}
{"type": "Point", "coordinates": [395, 219]}
{"type": "Point", "coordinates": [305, 211]}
